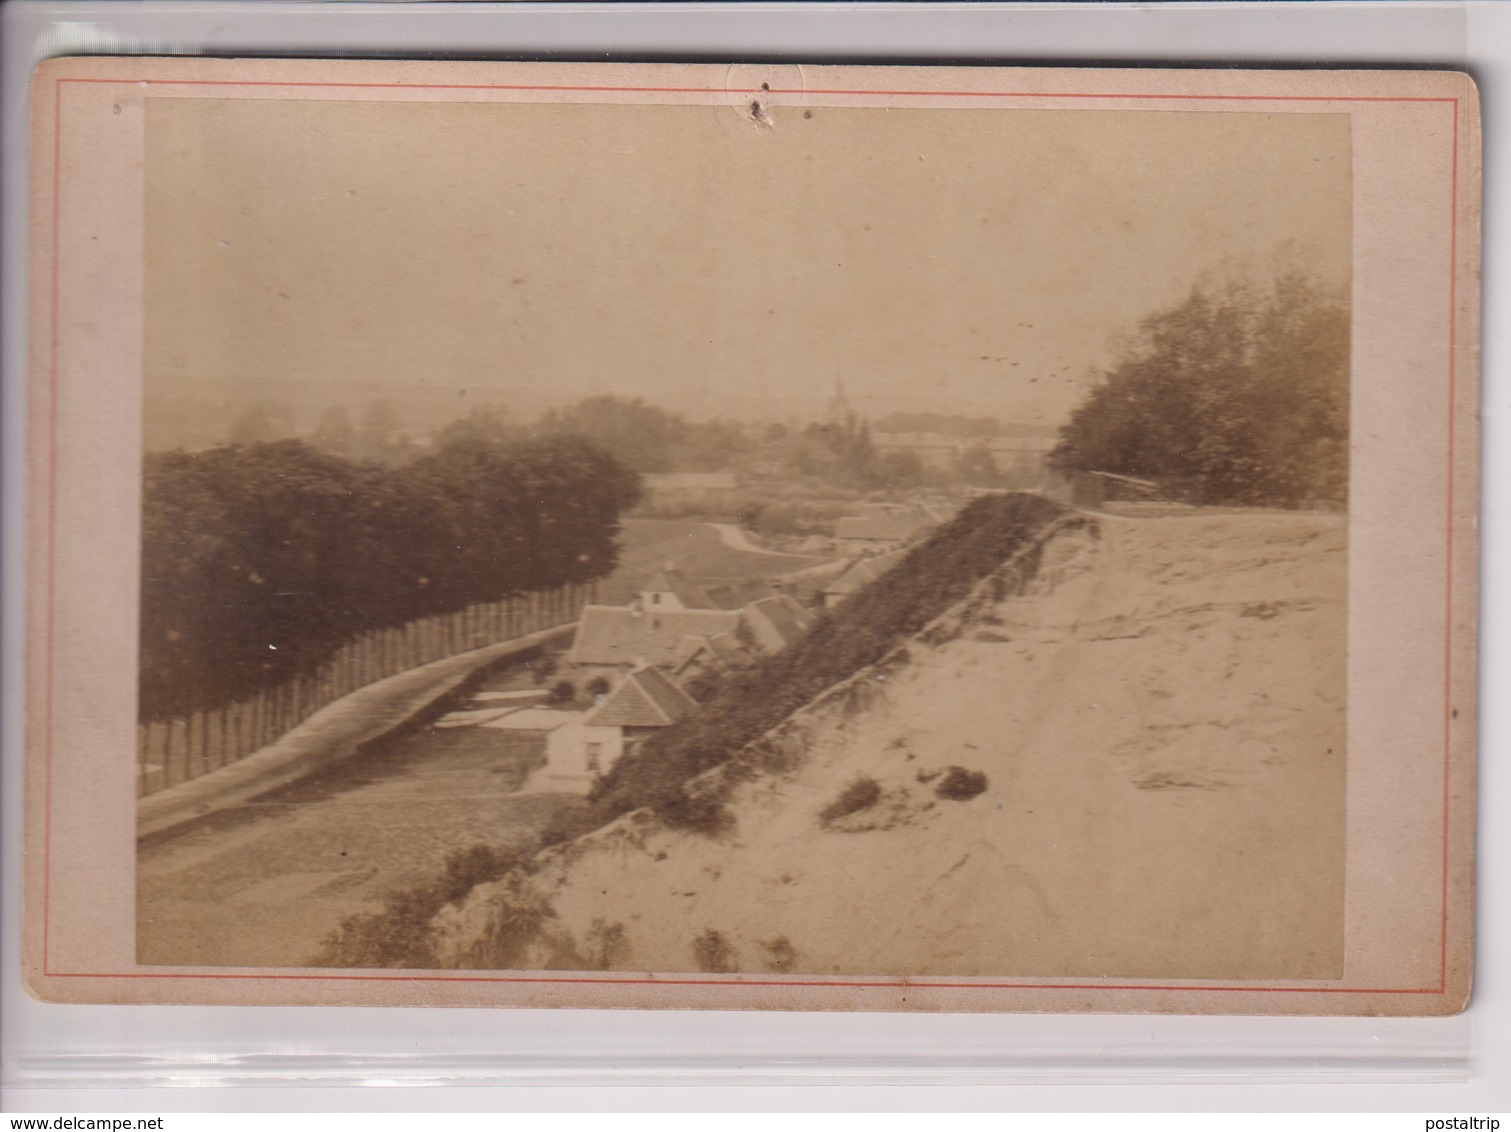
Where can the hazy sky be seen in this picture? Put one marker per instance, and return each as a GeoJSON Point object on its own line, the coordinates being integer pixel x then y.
{"type": "Point", "coordinates": [543, 252]}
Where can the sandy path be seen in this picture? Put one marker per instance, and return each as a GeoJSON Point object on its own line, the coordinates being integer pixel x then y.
{"type": "Point", "coordinates": [737, 539]}
{"type": "Point", "coordinates": [264, 882]}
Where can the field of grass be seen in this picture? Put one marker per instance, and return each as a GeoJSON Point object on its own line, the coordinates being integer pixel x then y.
{"type": "Point", "coordinates": [697, 550]}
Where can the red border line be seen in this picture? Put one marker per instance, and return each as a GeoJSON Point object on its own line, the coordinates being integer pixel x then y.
{"type": "Point", "coordinates": [897, 984]}
{"type": "Point", "coordinates": [52, 509]}
{"type": "Point", "coordinates": [1453, 262]}
{"type": "Point", "coordinates": [51, 543]}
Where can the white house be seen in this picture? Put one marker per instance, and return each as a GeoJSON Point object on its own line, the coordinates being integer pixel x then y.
{"type": "Point", "coordinates": [578, 752]}
{"type": "Point", "coordinates": [669, 590]}
{"type": "Point", "coordinates": [645, 701]}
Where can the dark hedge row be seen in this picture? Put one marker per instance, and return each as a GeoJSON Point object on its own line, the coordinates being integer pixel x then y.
{"type": "Point", "coordinates": [260, 561]}
{"type": "Point", "coordinates": [860, 632]}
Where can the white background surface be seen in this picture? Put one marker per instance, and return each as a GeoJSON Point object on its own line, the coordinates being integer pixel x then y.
{"type": "Point", "coordinates": [756, 1061]}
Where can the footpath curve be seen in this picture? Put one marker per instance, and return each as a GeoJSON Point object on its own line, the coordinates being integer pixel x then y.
{"type": "Point", "coordinates": [736, 539]}
{"type": "Point", "coordinates": [333, 733]}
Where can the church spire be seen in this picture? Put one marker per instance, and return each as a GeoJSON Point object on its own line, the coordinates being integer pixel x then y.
{"type": "Point", "coordinates": [839, 410]}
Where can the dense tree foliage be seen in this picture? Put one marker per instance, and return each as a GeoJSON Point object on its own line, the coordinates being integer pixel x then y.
{"type": "Point", "coordinates": [263, 423]}
{"type": "Point", "coordinates": [333, 432]}
{"type": "Point", "coordinates": [259, 561]}
{"type": "Point", "coordinates": [845, 454]}
{"type": "Point", "coordinates": [378, 436]}
{"type": "Point", "coordinates": [840, 452]}
{"type": "Point", "coordinates": [488, 425]}
{"type": "Point", "coordinates": [648, 438]}
{"type": "Point", "coordinates": [1239, 394]}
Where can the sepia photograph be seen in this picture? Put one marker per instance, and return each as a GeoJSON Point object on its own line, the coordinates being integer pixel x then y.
{"type": "Point", "coordinates": [772, 535]}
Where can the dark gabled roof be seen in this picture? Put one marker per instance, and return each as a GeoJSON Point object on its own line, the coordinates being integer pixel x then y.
{"type": "Point", "coordinates": [669, 696]}
{"type": "Point", "coordinates": [690, 647]}
{"type": "Point", "coordinates": [646, 697]}
{"type": "Point", "coordinates": [612, 634]}
{"type": "Point", "coordinates": [785, 617]}
{"type": "Point", "coordinates": [863, 572]}
{"type": "Point", "coordinates": [727, 647]}
{"type": "Point", "coordinates": [722, 651]}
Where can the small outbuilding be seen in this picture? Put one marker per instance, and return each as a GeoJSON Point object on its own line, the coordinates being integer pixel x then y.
{"type": "Point", "coordinates": [669, 590]}
{"type": "Point", "coordinates": [883, 527]}
{"type": "Point", "coordinates": [775, 622]}
{"type": "Point", "coordinates": [645, 701]}
{"type": "Point", "coordinates": [720, 654]}
{"type": "Point", "coordinates": [859, 576]}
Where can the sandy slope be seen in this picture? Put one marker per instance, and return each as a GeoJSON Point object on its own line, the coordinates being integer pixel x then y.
{"type": "Point", "coordinates": [1160, 722]}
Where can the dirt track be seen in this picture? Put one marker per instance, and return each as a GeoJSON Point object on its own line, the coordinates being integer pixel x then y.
{"type": "Point", "coordinates": [264, 882]}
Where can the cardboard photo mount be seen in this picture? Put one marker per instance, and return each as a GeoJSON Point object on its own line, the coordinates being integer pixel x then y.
{"type": "Point", "coordinates": [1414, 141]}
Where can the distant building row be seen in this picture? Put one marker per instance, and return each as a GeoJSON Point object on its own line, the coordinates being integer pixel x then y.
{"type": "Point", "coordinates": [1019, 455]}
{"type": "Point", "coordinates": [884, 527]}
{"type": "Point", "coordinates": [669, 621]}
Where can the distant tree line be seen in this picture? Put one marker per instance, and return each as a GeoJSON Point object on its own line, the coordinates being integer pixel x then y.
{"type": "Point", "coordinates": [648, 438]}
{"type": "Point", "coordinates": [1238, 394]}
{"type": "Point", "coordinates": [259, 561]}
{"type": "Point", "coordinates": [845, 455]}
{"type": "Point", "coordinates": [842, 454]}
{"type": "Point", "coordinates": [377, 435]}
{"type": "Point", "coordinates": [955, 424]}
{"type": "Point", "coordinates": [838, 452]}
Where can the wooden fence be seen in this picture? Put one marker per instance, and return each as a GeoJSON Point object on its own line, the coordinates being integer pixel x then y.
{"type": "Point", "coordinates": [174, 751]}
